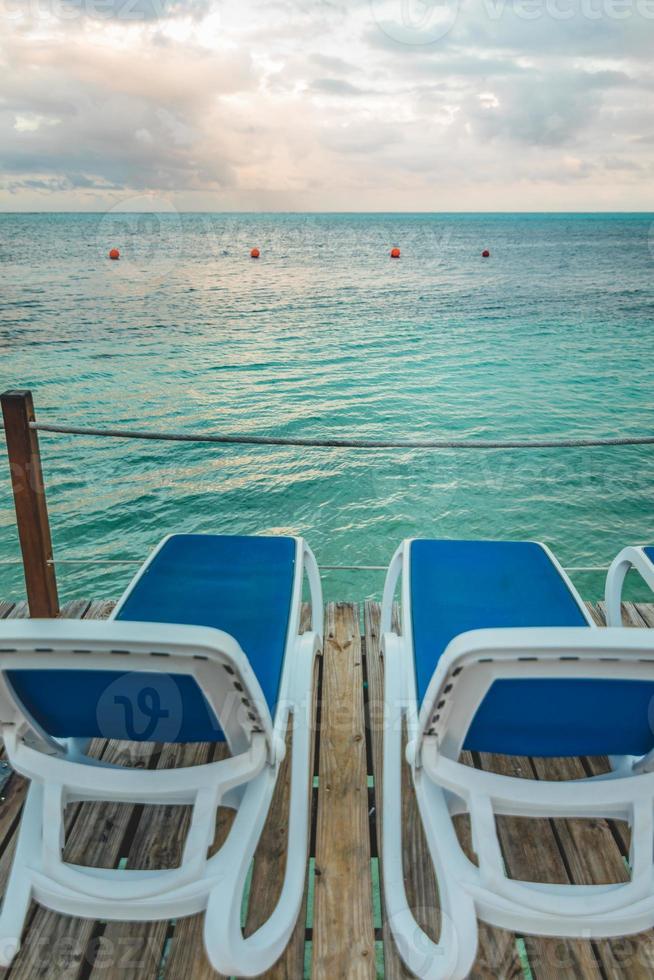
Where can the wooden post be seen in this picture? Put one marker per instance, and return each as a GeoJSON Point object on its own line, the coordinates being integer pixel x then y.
{"type": "Point", "coordinates": [31, 507]}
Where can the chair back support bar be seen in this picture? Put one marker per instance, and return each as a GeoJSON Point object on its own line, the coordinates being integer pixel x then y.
{"type": "Point", "coordinates": [586, 692]}
{"type": "Point", "coordinates": [136, 681]}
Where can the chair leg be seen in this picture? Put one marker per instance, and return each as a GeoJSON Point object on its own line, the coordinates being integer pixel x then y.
{"type": "Point", "coordinates": [19, 886]}
{"type": "Point", "coordinates": [228, 950]}
{"type": "Point", "coordinates": [452, 957]}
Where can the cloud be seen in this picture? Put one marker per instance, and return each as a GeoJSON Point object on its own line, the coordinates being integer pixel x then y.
{"type": "Point", "coordinates": [334, 65]}
{"type": "Point", "coordinates": [336, 86]}
{"type": "Point", "coordinates": [125, 11]}
{"type": "Point", "coordinates": [544, 110]}
{"type": "Point", "coordinates": [137, 115]}
{"type": "Point", "coordinates": [296, 105]}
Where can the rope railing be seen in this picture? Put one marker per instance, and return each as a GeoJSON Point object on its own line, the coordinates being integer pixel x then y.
{"type": "Point", "coordinates": [342, 443]}
{"type": "Point", "coordinates": [21, 433]}
{"type": "Point", "coordinates": [90, 560]}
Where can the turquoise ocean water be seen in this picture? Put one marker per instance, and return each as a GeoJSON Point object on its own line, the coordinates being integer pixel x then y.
{"type": "Point", "coordinates": [325, 335]}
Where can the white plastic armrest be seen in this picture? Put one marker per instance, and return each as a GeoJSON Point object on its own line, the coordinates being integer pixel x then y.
{"type": "Point", "coordinates": [390, 585]}
{"type": "Point", "coordinates": [315, 589]}
{"type": "Point", "coordinates": [627, 559]}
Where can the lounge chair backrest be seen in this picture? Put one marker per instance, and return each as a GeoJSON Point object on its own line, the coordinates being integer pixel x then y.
{"type": "Point", "coordinates": [453, 587]}
{"type": "Point", "coordinates": [580, 692]}
{"type": "Point", "coordinates": [128, 680]}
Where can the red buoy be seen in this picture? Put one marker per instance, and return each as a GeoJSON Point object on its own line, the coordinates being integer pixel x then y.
{"type": "Point", "coordinates": [114, 254]}
{"type": "Point", "coordinates": [485, 254]}
{"type": "Point", "coordinates": [255, 253]}
{"type": "Point", "coordinates": [395, 253]}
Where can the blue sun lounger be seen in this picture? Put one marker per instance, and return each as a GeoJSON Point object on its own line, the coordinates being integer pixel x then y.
{"type": "Point", "coordinates": [498, 654]}
{"type": "Point", "coordinates": [203, 647]}
{"type": "Point", "coordinates": [641, 558]}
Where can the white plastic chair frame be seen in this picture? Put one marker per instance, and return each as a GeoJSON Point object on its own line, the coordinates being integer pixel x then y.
{"type": "Point", "coordinates": [627, 559]}
{"type": "Point", "coordinates": [61, 773]}
{"type": "Point", "coordinates": [444, 787]}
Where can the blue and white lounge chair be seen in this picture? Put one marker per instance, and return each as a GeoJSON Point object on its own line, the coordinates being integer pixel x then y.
{"type": "Point", "coordinates": [203, 647]}
{"type": "Point", "coordinates": [498, 654]}
{"type": "Point", "coordinates": [642, 559]}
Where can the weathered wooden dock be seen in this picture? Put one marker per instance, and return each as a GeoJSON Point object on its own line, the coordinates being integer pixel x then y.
{"type": "Point", "coordinates": [342, 932]}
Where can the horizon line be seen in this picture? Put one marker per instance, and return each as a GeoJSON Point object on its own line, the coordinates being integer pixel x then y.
{"type": "Point", "coordinates": [333, 212]}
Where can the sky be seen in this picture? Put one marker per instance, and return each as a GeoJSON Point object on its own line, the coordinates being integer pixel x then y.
{"type": "Point", "coordinates": [323, 105]}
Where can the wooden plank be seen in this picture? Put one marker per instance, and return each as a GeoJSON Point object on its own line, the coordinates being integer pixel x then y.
{"type": "Point", "coordinates": [631, 956]}
{"type": "Point", "coordinates": [497, 953]}
{"type": "Point", "coordinates": [96, 835]}
{"type": "Point", "coordinates": [596, 614]}
{"type": "Point", "coordinates": [186, 956]}
{"type": "Point", "coordinates": [99, 609]}
{"type": "Point", "coordinates": [117, 949]}
{"type": "Point", "coordinates": [394, 968]}
{"type": "Point", "coordinates": [530, 847]}
{"type": "Point", "coordinates": [19, 610]}
{"type": "Point", "coordinates": [11, 802]}
{"type": "Point", "coordinates": [343, 933]}
{"type": "Point", "coordinates": [74, 609]}
{"type": "Point", "coordinates": [634, 614]}
{"type": "Point", "coordinates": [585, 853]}
{"type": "Point", "coordinates": [646, 612]}
{"type": "Point", "coordinates": [270, 858]}
{"type": "Point", "coordinates": [593, 857]}
{"type": "Point", "coordinates": [497, 949]}
{"type": "Point", "coordinates": [187, 959]}
{"type": "Point", "coordinates": [268, 876]}
{"type": "Point", "coordinates": [269, 864]}
{"type": "Point", "coordinates": [11, 805]}
{"type": "Point", "coordinates": [30, 503]}
{"type": "Point", "coordinates": [630, 614]}
{"type": "Point", "coordinates": [187, 943]}
{"type": "Point", "coordinates": [59, 946]}
{"type": "Point", "coordinates": [134, 950]}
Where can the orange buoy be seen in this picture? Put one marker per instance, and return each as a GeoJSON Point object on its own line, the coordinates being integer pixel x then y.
{"type": "Point", "coordinates": [255, 253]}
{"type": "Point", "coordinates": [485, 254]}
{"type": "Point", "coordinates": [114, 254]}
{"type": "Point", "coordinates": [395, 253]}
